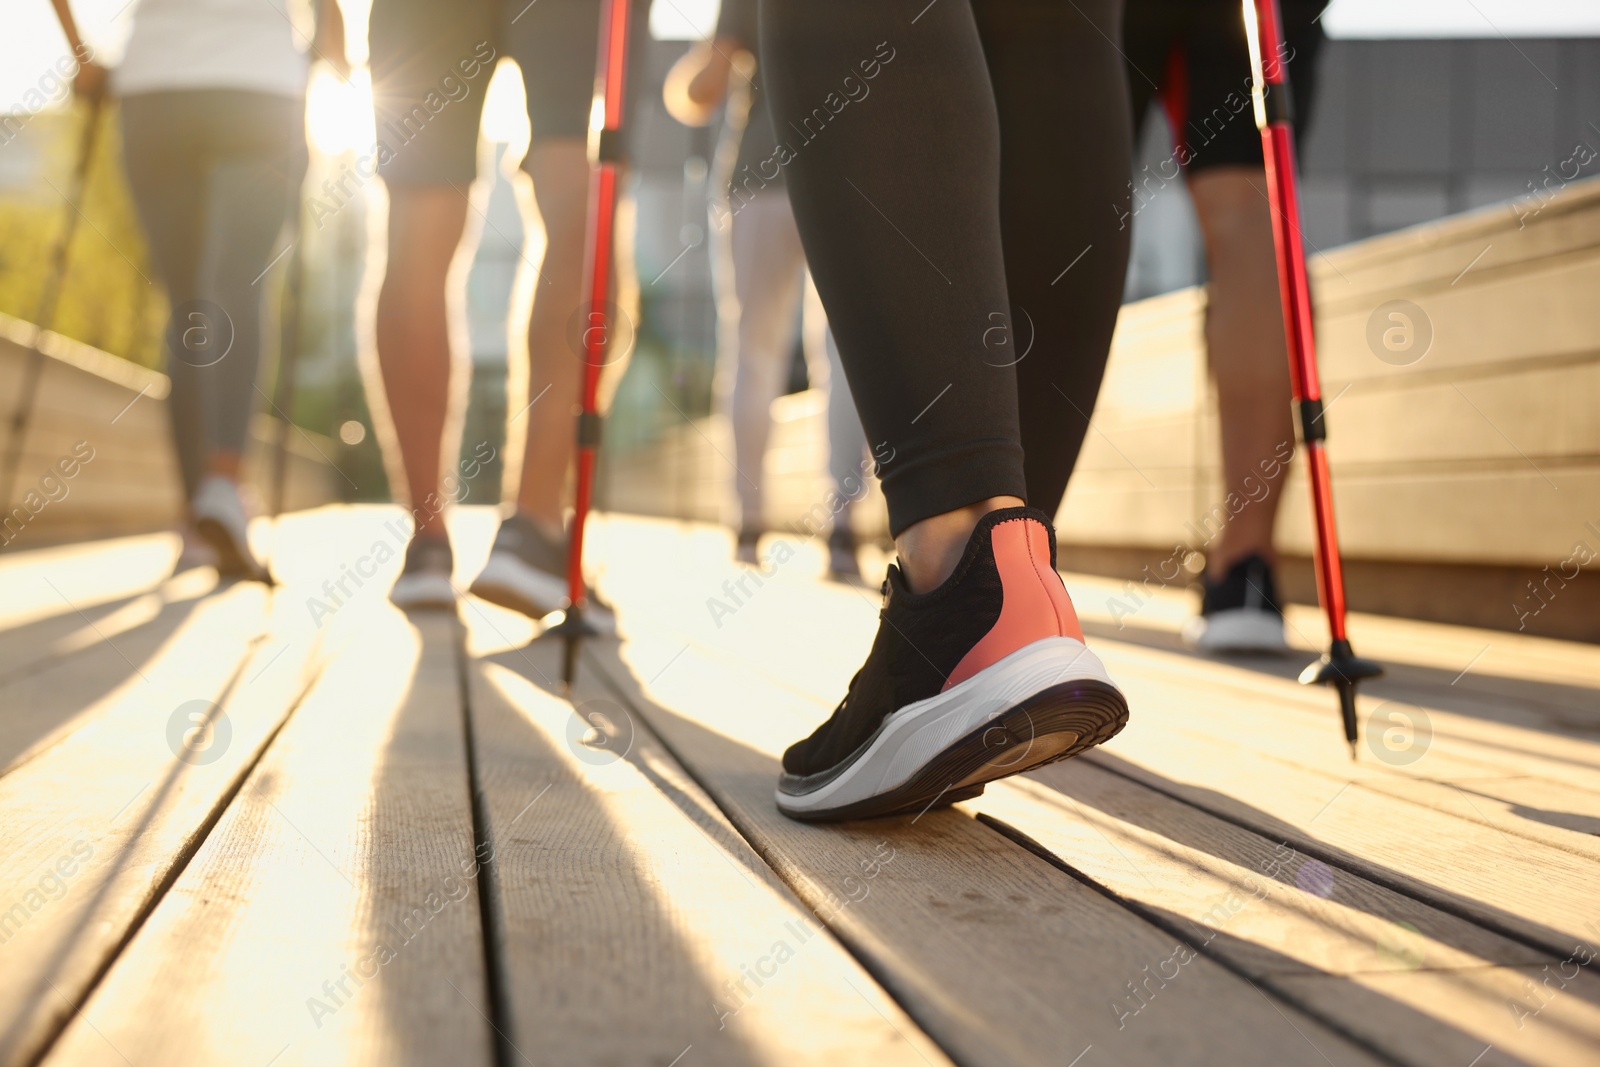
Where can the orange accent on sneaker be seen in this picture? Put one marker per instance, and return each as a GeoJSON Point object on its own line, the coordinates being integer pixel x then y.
{"type": "Point", "coordinates": [1035, 603]}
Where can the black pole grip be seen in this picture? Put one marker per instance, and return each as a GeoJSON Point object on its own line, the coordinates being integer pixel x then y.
{"type": "Point", "coordinates": [1313, 421]}
{"type": "Point", "coordinates": [612, 148]}
{"type": "Point", "coordinates": [589, 424]}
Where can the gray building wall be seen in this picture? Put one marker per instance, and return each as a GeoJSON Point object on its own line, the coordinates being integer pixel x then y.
{"type": "Point", "coordinates": [1406, 131]}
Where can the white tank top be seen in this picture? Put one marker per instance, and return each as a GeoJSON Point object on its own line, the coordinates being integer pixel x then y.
{"type": "Point", "coordinates": [213, 44]}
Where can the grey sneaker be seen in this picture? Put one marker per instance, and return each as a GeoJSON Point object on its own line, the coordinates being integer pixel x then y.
{"type": "Point", "coordinates": [526, 572]}
{"type": "Point", "coordinates": [424, 583]}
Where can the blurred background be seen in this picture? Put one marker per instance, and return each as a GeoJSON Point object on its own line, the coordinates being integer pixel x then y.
{"type": "Point", "coordinates": [1481, 114]}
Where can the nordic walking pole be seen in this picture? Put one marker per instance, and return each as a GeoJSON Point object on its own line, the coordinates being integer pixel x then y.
{"type": "Point", "coordinates": [289, 321]}
{"type": "Point", "coordinates": [44, 316]}
{"type": "Point", "coordinates": [1340, 667]}
{"type": "Point", "coordinates": [607, 152]}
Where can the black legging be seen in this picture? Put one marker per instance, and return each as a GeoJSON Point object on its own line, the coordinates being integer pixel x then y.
{"type": "Point", "coordinates": [958, 170]}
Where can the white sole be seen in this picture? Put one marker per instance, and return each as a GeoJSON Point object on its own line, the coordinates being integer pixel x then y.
{"type": "Point", "coordinates": [1236, 630]}
{"type": "Point", "coordinates": [513, 584]}
{"type": "Point", "coordinates": [945, 727]}
{"type": "Point", "coordinates": [423, 592]}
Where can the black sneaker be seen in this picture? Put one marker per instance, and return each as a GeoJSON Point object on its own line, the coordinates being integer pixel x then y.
{"type": "Point", "coordinates": [1240, 613]}
{"type": "Point", "coordinates": [747, 548]}
{"type": "Point", "coordinates": [843, 566]}
{"type": "Point", "coordinates": [526, 572]}
{"type": "Point", "coordinates": [984, 677]}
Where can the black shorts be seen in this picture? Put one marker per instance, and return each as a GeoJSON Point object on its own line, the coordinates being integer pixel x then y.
{"type": "Point", "coordinates": [1193, 54]}
{"type": "Point", "coordinates": [431, 63]}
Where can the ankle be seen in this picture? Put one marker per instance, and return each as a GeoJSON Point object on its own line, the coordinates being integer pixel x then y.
{"type": "Point", "coordinates": [929, 550]}
{"type": "Point", "coordinates": [552, 526]}
{"type": "Point", "coordinates": [1220, 562]}
{"type": "Point", "coordinates": [225, 463]}
{"type": "Point", "coordinates": [430, 529]}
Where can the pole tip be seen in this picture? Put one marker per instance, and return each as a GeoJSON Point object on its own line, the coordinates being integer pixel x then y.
{"type": "Point", "coordinates": [569, 660]}
{"type": "Point", "coordinates": [1352, 751]}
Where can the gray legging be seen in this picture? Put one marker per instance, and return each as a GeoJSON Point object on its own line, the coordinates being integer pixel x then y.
{"type": "Point", "coordinates": [213, 173]}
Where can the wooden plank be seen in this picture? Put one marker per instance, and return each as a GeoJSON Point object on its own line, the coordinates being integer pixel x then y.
{"type": "Point", "coordinates": [1521, 887]}
{"type": "Point", "coordinates": [1526, 888]}
{"type": "Point", "coordinates": [83, 576]}
{"type": "Point", "coordinates": [1432, 765]}
{"type": "Point", "coordinates": [634, 924]}
{"type": "Point", "coordinates": [1500, 1015]}
{"type": "Point", "coordinates": [1502, 702]}
{"type": "Point", "coordinates": [1293, 914]}
{"type": "Point", "coordinates": [332, 915]}
{"type": "Point", "coordinates": [1529, 735]}
{"type": "Point", "coordinates": [36, 646]}
{"type": "Point", "coordinates": [93, 828]}
{"type": "Point", "coordinates": [998, 955]}
{"type": "Point", "coordinates": [45, 705]}
{"type": "Point", "coordinates": [1527, 313]}
{"type": "Point", "coordinates": [1434, 254]}
{"type": "Point", "coordinates": [1389, 969]}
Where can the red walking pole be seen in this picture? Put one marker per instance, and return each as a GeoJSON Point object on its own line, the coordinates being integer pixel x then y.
{"type": "Point", "coordinates": [1340, 667]}
{"type": "Point", "coordinates": [607, 152]}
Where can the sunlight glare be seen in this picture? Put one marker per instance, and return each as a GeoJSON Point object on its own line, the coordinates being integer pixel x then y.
{"type": "Point", "coordinates": [683, 20]}
{"type": "Point", "coordinates": [339, 113]}
{"type": "Point", "coordinates": [505, 107]}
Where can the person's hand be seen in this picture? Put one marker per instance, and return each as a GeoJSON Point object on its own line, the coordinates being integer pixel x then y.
{"type": "Point", "coordinates": [698, 82]}
{"type": "Point", "coordinates": [90, 81]}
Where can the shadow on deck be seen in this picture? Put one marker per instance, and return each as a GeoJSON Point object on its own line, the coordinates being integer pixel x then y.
{"type": "Point", "coordinates": [265, 827]}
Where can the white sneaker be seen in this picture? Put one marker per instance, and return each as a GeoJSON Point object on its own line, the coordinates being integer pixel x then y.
{"type": "Point", "coordinates": [219, 519]}
{"type": "Point", "coordinates": [526, 572]}
{"type": "Point", "coordinates": [195, 552]}
{"type": "Point", "coordinates": [424, 583]}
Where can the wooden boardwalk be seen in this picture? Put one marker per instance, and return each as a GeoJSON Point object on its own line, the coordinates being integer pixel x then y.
{"type": "Point", "coordinates": [264, 828]}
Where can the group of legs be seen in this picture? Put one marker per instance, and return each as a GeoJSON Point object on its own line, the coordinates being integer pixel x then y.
{"type": "Point", "coordinates": [959, 179]}
{"type": "Point", "coordinates": [429, 175]}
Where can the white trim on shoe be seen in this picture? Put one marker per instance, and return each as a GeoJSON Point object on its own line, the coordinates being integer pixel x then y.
{"type": "Point", "coordinates": [423, 591]}
{"type": "Point", "coordinates": [511, 582]}
{"type": "Point", "coordinates": [916, 734]}
{"type": "Point", "coordinates": [1236, 630]}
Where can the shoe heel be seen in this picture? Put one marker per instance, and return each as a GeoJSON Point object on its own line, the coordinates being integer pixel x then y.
{"type": "Point", "coordinates": [1035, 605]}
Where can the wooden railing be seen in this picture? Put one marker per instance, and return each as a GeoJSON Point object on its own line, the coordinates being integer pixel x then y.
{"type": "Point", "coordinates": [105, 420]}
{"type": "Point", "coordinates": [1461, 369]}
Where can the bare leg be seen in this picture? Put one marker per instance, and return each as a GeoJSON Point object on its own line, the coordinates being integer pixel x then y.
{"type": "Point", "coordinates": [1246, 351]}
{"type": "Point", "coordinates": [426, 224]}
{"type": "Point", "coordinates": [929, 550]}
{"type": "Point", "coordinates": [560, 171]}
{"type": "Point", "coordinates": [767, 265]}
{"type": "Point", "coordinates": [226, 463]}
